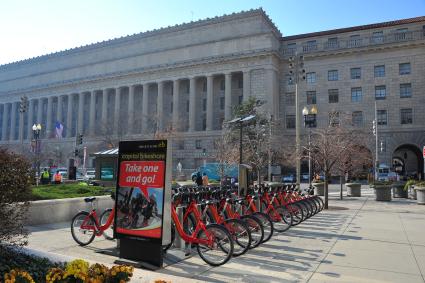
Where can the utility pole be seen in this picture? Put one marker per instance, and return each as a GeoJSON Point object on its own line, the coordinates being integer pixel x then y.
{"type": "Point", "coordinates": [297, 72]}
{"type": "Point", "coordinates": [375, 131]}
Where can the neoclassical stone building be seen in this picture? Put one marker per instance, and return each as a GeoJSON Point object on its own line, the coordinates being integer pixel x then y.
{"type": "Point", "coordinates": [188, 77]}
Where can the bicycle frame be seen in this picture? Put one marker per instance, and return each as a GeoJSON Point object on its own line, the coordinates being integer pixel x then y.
{"type": "Point", "coordinates": [97, 227]}
{"type": "Point", "coordinates": [199, 226]}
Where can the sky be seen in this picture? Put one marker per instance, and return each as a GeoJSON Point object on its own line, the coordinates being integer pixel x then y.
{"type": "Point", "coordinates": [30, 28]}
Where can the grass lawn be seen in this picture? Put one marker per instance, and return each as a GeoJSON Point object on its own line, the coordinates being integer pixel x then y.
{"type": "Point", "coordinates": [68, 191]}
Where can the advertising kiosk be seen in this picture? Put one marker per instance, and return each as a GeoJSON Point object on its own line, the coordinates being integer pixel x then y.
{"type": "Point", "coordinates": [143, 195]}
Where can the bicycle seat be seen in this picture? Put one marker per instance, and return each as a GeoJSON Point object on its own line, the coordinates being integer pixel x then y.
{"type": "Point", "coordinates": [90, 199]}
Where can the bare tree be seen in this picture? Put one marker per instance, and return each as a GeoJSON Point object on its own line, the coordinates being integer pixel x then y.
{"type": "Point", "coordinates": [336, 146]}
{"type": "Point", "coordinates": [226, 155]}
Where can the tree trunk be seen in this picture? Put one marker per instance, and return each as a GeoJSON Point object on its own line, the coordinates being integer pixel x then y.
{"type": "Point", "coordinates": [340, 189]}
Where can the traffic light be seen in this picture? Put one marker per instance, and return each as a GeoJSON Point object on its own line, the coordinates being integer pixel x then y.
{"type": "Point", "coordinates": [76, 153]}
{"type": "Point", "coordinates": [79, 139]}
{"type": "Point", "coordinates": [374, 127]}
{"type": "Point", "coordinates": [23, 104]}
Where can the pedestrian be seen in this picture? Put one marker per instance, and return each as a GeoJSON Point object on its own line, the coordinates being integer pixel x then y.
{"type": "Point", "coordinates": [45, 177]}
{"type": "Point", "coordinates": [198, 179]}
{"type": "Point", "coordinates": [57, 178]}
{"type": "Point", "coordinates": [205, 180]}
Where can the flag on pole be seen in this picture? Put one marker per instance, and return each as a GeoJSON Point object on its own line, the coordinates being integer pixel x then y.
{"type": "Point", "coordinates": [58, 130]}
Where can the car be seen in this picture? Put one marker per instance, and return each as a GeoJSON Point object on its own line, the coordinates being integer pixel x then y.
{"type": "Point", "coordinates": [288, 179]}
{"type": "Point", "coordinates": [90, 175]}
{"type": "Point", "coordinates": [305, 177]}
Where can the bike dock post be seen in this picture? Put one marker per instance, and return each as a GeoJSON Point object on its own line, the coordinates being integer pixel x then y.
{"type": "Point", "coordinates": [179, 242]}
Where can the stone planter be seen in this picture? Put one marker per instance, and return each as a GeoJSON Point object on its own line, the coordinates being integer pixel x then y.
{"type": "Point", "coordinates": [398, 190]}
{"type": "Point", "coordinates": [412, 192]}
{"type": "Point", "coordinates": [420, 194]}
{"type": "Point", "coordinates": [353, 189]}
{"type": "Point", "coordinates": [319, 189]}
{"type": "Point", "coordinates": [382, 192]}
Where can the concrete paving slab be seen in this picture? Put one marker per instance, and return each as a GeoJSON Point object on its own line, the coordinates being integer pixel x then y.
{"type": "Point", "coordinates": [334, 273]}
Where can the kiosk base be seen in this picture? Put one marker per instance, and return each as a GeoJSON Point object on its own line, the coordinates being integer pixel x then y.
{"type": "Point", "coordinates": [148, 254]}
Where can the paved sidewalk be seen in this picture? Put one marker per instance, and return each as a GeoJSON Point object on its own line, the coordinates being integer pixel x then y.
{"type": "Point", "coordinates": [356, 240]}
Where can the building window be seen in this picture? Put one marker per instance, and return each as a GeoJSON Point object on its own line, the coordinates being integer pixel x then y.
{"type": "Point", "coordinates": [310, 46]}
{"type": "Point", "coordinates": [380, 92]}
{"type": "Point", "coordinates": [378, 37]}
{"type": "Point", "coordinates": [204, 104]}
{"type": "Point", "coordinates": [311, 97]}
{"type": "Point", "coordinates": [198, 144]}
{"type": "Point", "coordinates": [291, 48]}
{"type": "Point", "coordinates": [406, 116]}
{"type": "Point", "coordinates": [333, 95]}
{"type": "Point", "coordinates": [404, 68]}
{"type": "Point", "coordinates": [332, 42]}
{"type": "Point", "coordinates": [204, 85]}
{"type": "Point", "coordinates": [171, 107]}
{"type": "Point", "coordinates": [333, 119]}
{"type": "Point", "coordinates": [355, 40]}
{"type": "Point", "coordinates": [379, 71]}
{"type": "Point", "coordinates": [180, 145]}
{"type": "Point", "coordinates": [311, 78]}
{"type": "Point", "coordinates": [290, 98]}
{"type": "Point", "coordinates": [357, 118]}
{"type": "Point", "coordinates": [356, 73]}
{"type": "Point", "coordinates": [204, 122]}
{"type": "Point", "coordinates": [289, 80]}
{"type": "Point", "coordinates": [240, 99]}
{"type": "Point", "coordinates": [290, 121]}
{"type": "Point", "coordinates": [405, 90]}
{"type": "Point", "coordinates": [222, 85]}
{"type": "Point", "coordinates": [401, 34]}
{"type": "Point", "coordinates": [222, 103]}
{"type": "Point", "coordinates": [356, 94]}
{"type": "Point", "coordinates": [187, 86]}
{"type": "Point", "coordinates": [240, 83]}
{"type": "Point", "coordinates": [382, 117]}
{"type": "Point", "coordinates": [333, 75]}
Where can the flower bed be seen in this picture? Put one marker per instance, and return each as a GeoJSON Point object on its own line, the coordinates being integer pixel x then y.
{"type": "Point", "coordinates": [18, 267]}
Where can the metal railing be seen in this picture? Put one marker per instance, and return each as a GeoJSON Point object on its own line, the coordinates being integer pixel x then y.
{"type": "Point", "coordinates": [396, 37]}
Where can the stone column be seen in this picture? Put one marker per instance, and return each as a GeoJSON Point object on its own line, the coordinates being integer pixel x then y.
{"type": "Point", "coordinates": [4, 122]}
{"type": "Point", "coordinates": [40, 115]}
{"type": "Point", "coordinates": [59, 111]}
{"type": "Point", "coordinates": [246, 84]}
{"type": "Point", "coordinates": [210, 103]}
{"type": "Point", "coordinates": [272, 91]}
{"type": "Point", "coordinates": [227, 96]}
{"type": "Point", "coordinates": [30, 118]}
{"type": "Point", "coordinates": [104, 110]}
{"type": "Point", "coordinates": [80, 121]}
{"type": "Point", "coordinates": [13, 121]}
{"type": "Point", "coordinates": [192, 105]}
{"type": "Point", "coordinates": [92, 116]}
{"type": "Point", "coordinates": [176, 102]}
{"type": "Point", "coordinates": [49, 126]}
{"type": "Point", "coordinates": [117, 110]}
{"type": "Point", "coordinates": [145, 108]}
{"type": "Point", "coordinates": [130, 109]}
{"type": "Point", "coordinates": [160, 106]}
{"type": "Point", "coordinates": [69, 116]}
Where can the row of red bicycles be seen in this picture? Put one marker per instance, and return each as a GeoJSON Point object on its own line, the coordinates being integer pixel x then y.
{"type": "Point", "coordinates": [217, 221]}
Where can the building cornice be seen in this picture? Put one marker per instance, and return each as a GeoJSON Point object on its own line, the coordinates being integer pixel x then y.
{"type": "Point", "coordinates": [142, 35]}
{"type": "Point", "coordinates": [148, 69]}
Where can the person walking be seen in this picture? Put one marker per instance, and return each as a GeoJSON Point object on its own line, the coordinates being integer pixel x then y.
{"type": "Point", "coordinates": [57, 177]}
{"type": "Point", "coordinates": [198, 179]}
{"type": "Point", "coordinates": [45, 177]}
{"type": "Point", "coordinates": [205, 180]}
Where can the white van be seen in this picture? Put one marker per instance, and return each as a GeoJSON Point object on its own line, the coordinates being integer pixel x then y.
{"type": "Point", "coordinates": [385, 173]}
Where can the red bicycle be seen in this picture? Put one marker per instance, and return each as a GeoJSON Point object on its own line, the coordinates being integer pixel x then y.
{"type": "Point", "coordinates": [87, 225]}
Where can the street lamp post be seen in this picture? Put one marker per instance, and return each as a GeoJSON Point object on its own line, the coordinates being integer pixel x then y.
{"type": "Point", "coordinates": [310, 122]}
{"type": "Point", "coordinates": [36, 129]}
{"type": "Point", "coordinates": [297, 72]}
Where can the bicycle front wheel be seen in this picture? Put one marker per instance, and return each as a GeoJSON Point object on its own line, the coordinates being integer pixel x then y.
{"type": "Point", "coordinates": [267, 223]}
{"type": "Point", "coordinates": [83, 236]}
{"type": "Point", "coordinates": [220, 250]}
{"type": "Point", "coordinates": [108, 233]}
{"type": "Point", "coordinates": [281, 217]}
{"type": "Point", "coordinates": [240, 234]}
